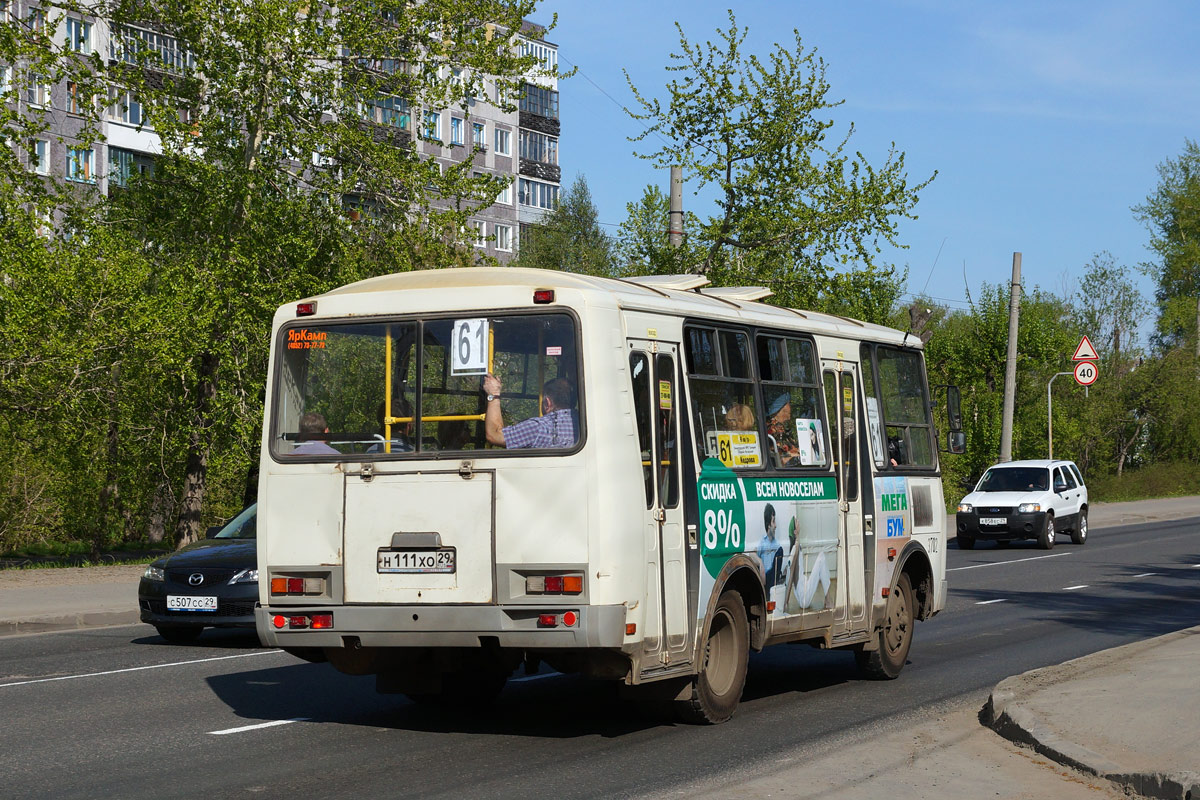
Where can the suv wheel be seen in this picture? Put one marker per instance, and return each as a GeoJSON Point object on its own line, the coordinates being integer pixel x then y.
{"type": "Point", "coordinates": [1046, 537]}
{"type": "Point", "coordinates": [1079, 535]}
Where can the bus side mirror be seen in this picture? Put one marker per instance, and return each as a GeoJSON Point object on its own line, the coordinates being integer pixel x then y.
{"type": "Point", "coordinates": [956, 442]}
{"type": "Point", "coordinates": [954, 409]}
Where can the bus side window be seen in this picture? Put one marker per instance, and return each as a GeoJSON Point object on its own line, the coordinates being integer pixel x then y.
{"type": "Point", "coordinates": [722, 390]}
{"type": "Point", "coordinates": [639, 372]}
{"type": "Point", "coordinates": [905, 401]}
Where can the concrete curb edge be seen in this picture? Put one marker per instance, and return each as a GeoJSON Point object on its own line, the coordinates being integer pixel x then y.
{"type": "Point", "coordinates": [1006, 716]}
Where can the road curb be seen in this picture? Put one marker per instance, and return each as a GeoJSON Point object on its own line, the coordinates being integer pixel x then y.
{"type": "Point", "coordinates": [1005, 715]}
{"type": "Point", "coordinates": [67, 622]}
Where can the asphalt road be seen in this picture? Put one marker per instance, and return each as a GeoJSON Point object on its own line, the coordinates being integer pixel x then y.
{"type": "Point", "coordinates": [117, 712]}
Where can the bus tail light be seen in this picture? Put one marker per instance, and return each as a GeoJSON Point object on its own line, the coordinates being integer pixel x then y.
{"type": "Point", "coordinates": [291, 585]}
{"type": "Point", "coordinates": [306, 309]}
{"type": "Point", "coordinates": [302, 621]}
{"type": "Point", "coordinates": [547, 620]}
{"type": "Point", "coordinates": [554, 584]}
{"type": "Point", "coordinates": [543, 296]}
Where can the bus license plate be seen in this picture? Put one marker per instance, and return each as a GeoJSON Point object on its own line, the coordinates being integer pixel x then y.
{"type": "Point", "coordinates": [183, 602]}
{"type": "Point", "coordinates": [993, 521]}
{"type": "Point", "coordinates": [440, 560]}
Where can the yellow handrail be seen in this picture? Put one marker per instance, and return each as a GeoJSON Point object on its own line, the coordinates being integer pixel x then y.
{"type": "Point", "coordinates": [387, 393]}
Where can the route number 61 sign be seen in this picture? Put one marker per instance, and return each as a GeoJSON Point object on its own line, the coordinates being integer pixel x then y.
{"type": "Point", "coordinates": [469, 347]}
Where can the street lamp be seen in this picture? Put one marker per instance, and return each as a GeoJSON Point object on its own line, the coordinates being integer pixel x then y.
{"type": "Point", "coordinates": [1050, 414]}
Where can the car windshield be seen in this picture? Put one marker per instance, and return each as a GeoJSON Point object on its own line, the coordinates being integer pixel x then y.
{"type": "Point", "coordinates": [243, 526]}
{"type": "Point", "coordinates": [1015, 479]}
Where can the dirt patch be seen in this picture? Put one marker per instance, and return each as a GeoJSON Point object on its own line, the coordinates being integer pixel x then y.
{"type": "Point", "coordinates": [69, 576]}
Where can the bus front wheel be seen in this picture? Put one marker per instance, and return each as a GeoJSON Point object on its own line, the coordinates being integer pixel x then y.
{"type": "Point", "coordinates": [895, 638]}
{"type": "Point", "coordinates": [717, 689]}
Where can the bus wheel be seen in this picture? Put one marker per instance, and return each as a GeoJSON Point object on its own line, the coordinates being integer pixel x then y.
{"type": "Point", "coordinates": [888, 658]}
{"type": "Point", "coordinates": [717, 690]}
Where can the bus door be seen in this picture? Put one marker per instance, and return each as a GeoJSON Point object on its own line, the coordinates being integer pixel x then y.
{"type": "Point", "coordinates": [653, 368]}
{"type": "Point", "coordinates": [842, 404]}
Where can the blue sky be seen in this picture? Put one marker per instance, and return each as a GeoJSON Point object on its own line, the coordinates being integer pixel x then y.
{"type": "Point", "coordinates": [1045, 121]}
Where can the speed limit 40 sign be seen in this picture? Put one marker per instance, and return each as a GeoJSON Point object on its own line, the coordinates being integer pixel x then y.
{"type": "Point", "coordinates": [1086, 373]}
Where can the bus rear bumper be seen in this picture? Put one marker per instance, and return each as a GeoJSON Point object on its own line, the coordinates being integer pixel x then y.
{"type": "Point", "coordinates": [443, 626]}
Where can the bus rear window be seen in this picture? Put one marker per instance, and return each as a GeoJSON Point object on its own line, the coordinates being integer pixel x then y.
{"type": "Point", "coordinates": [398, 389]}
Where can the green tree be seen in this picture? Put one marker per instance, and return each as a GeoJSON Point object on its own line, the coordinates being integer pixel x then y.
{"type": "Point", "coordinates": [569, 237]}
{"type": "Point", "coordinates": [643, 241]}
{"type": "Point", "coordinates": [1172, 214]}
{"type": "Point", "coordinates": [793, 203]}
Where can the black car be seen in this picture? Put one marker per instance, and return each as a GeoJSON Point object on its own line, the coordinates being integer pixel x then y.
{"type": "Point", "coordinates": [211, 583]}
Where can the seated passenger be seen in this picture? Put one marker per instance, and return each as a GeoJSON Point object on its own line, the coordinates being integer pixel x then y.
{"type": "Point", "coordinates": [555, 428]}
{"type": "Point", "coordinates": [739, 417]}
{"type": "Point", "coordinates": [781, 433]}
{"type": "Point", "coordinates": [312, 430]}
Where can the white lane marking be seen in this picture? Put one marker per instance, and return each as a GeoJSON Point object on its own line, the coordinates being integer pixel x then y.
{"type": "Point", "coordinates": [139, 669]}
{"type": "Point", "coordinates": [1018, 561]}
{"type": "Point", "coordinates": [272, 724]}
{"type": "Point", "coordinates": [989, 602]}
{"type": "Point", "coordinates": [1145, 574]}
{"type": "Point", "coordinates": [1073, 588]}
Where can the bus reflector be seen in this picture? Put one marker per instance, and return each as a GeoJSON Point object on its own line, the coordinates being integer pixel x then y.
{"type": "Point", "coordinates": [886, 591]}
{"type": "Point", "coordinates": [295, 585]}
{"type": "Point", "coordinates": [278, 621]}
{"type": "Point", "coordinates": [322, 620]}
{"type": "Point", "coordinates": [570, 618]}
{"type": "Point", "coordinates": [298, 622]}
{"type": "Point", "coordinates": [547, 621]}
{"type": "Point", "coordinates": [630, 628]}
{"type": "Point", "coordinates": [306, 309]}
{"type": "Point", "coordinates": [541, 296]}
{"type": "Point", "coordinates": [770, 606]}
{"type": "Point", "coordinates": [891, 554]}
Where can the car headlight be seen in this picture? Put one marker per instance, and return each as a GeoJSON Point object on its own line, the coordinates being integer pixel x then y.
{"type": "Point", "coordinates": [1028, 508]}
{"type": "Point", "coordinates": [965, 508]}
{"type": "Point", "coordinates": [153, 573]}
{"type": "Point", "coordinates": [245, 576]}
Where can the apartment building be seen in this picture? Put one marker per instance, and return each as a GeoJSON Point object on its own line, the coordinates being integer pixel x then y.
{"type": "Point", "coordinates": [521, 145]}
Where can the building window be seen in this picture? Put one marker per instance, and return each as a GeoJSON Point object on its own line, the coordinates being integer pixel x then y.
{"type": "Point", "coordinates": [432, 127]}
{"type": "Point", "coordinates": [504, 238]}
{"type": "Point", "coordinates": [480, 229]}
{"type": "Point", "coordinates": [37, 93]}
{"type": "Point", "coordinates": [505, 195]}
{"type": "Point", "coordinates": [5, 79]}
{"type": "Point", "coordinates": [477, 137]}
{"type": "Point", "coordinates": [81, 164]}
{"type": "Point", "coordinates": [79, 35]}
{"type": "Point", "coordinates": [547, 57]}
{"type": "Point", "coordinates": [456, 130]}
{"type": "Point", "coordinates": [503, 142]}
{"type": "Point", "coordinates": [388, 110]}
{"type": "Point", "coordinates": [124, 106]}
{"type": "Point", "coordinates": [137, 45]}
{"type": "Point", "coordinates": [37, 21]}
{"type": "Point", "coordinates": [75, 103]}
{"type": "Point", "coordinates": [40, 160]}
{"type": "Point", "coordinates": [539, 100]}
{"type": "Point", "coordinates": [539, 147]}
{"type": "Point", "coordinates": [537, 194]}
{"type": "Point", "coordinates": [124, 164]}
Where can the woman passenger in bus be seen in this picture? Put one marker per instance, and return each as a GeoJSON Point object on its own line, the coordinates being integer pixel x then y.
{"type": "Point", "coordinates": [555, 428]}
{"type": "Point", "coordinates": [739, 417]}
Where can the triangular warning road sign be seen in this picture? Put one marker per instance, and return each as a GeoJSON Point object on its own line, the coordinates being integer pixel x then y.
{"type": "Point", "coordinates": [1085, 351]}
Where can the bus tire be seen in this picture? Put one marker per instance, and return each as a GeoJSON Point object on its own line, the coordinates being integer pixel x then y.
{"type": "Point", "coordinates": [717, 689]}
{"type": "Point", "coordinates": [1046, 538]}
{"type": "Point", "coordinates": [895, 638]}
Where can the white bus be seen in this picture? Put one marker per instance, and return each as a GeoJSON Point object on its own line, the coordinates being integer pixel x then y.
{"type": "Point", "coordinates": [469, 470]}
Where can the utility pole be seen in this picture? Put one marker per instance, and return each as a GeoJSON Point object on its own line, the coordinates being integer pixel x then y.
{"type": "Point", "coordinates": [1010, 365]}
{"type": "Point", "coordinates": [675, 219]}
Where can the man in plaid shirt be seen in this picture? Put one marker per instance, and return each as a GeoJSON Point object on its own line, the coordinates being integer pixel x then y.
{"type": "Point", "coordinates": [555, 428]}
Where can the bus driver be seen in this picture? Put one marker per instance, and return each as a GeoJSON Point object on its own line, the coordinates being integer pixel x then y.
{"type": "Point", "coordinates": [555, 428]}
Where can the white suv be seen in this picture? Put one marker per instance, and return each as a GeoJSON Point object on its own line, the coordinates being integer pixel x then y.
{"type": "Point", "coordinates": [1025, 500]}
